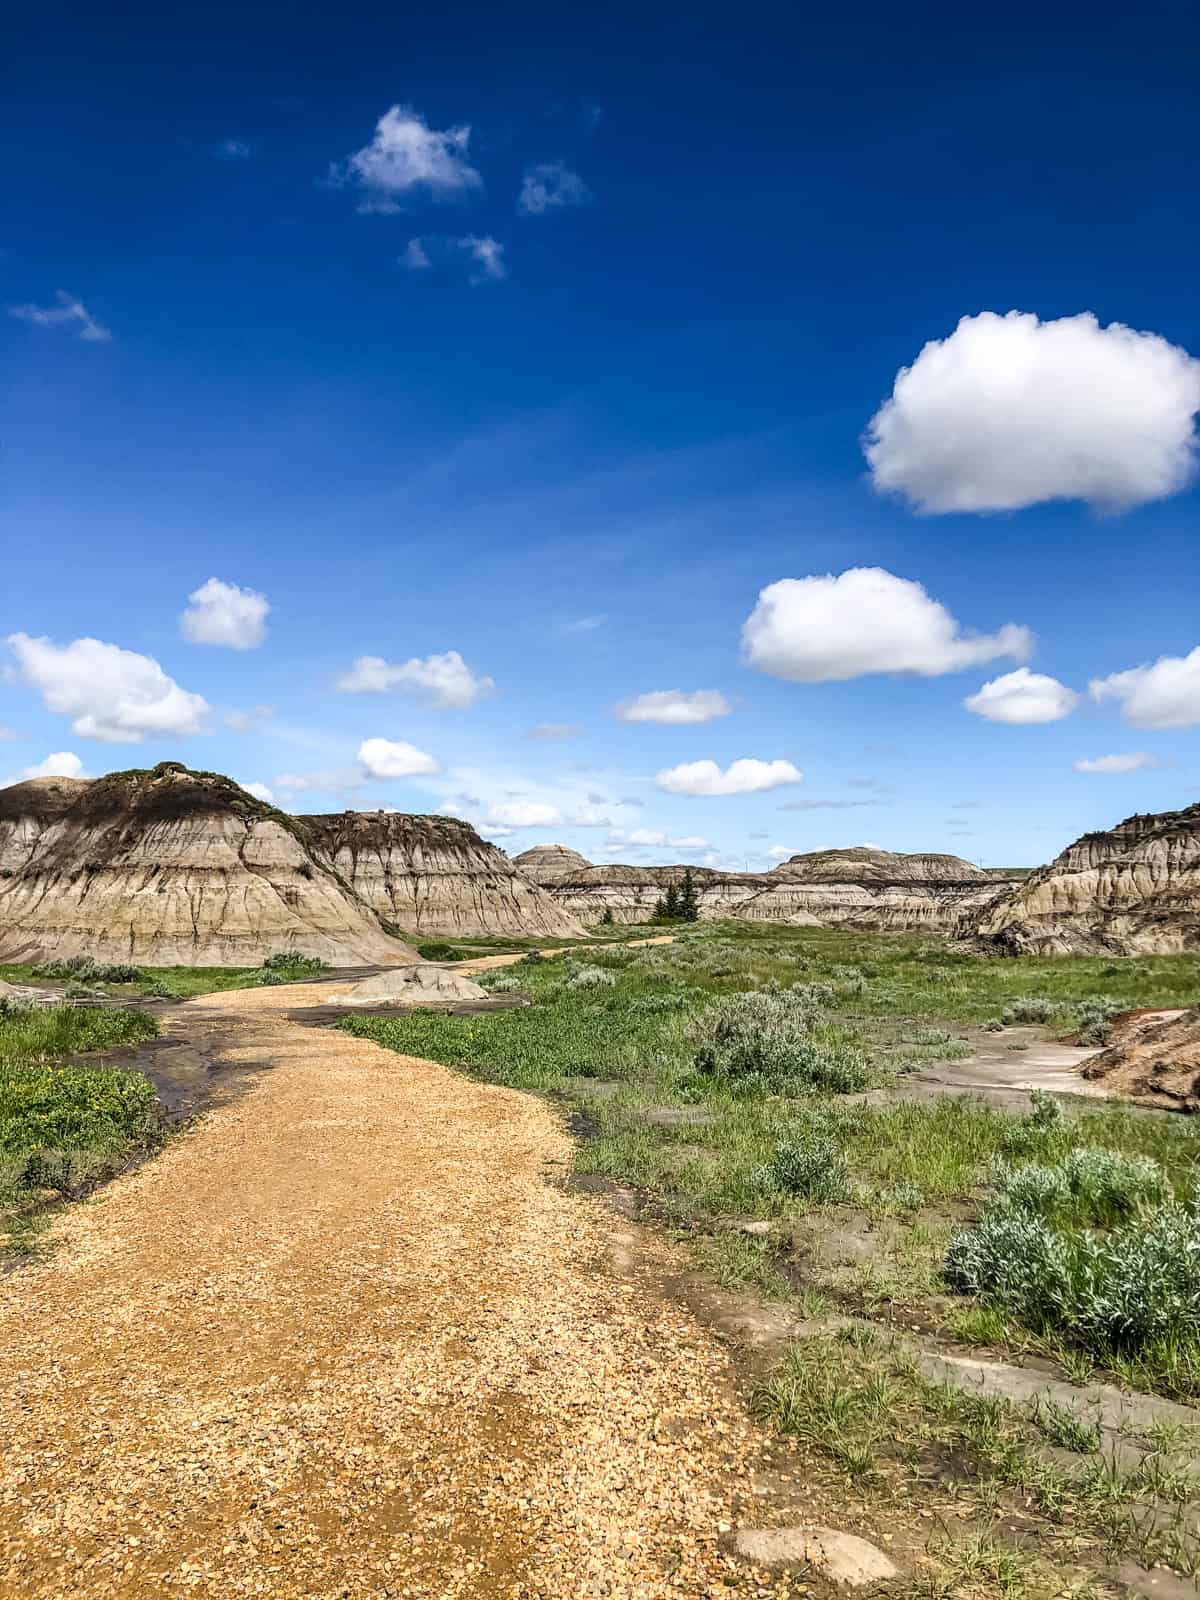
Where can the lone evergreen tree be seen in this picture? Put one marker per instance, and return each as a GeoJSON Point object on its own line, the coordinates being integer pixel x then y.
{"type": "Point", "coordinates": [660, 910]}
{"type": "Point", "coordinates": [688, 905]}
{"type": "Point", "coordinates": [671, 904]}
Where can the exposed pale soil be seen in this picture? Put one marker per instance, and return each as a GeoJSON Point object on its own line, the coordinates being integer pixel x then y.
{"type": "Point", "coordinates": [344, 1338]}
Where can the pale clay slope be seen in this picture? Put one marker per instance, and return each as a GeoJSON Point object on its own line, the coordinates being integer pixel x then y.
{"type": "Point", "coordinates": [345, 1338]}
{"type": "Point", "coordinates": [1132, 890]}
{"type": "Point", "coordinates": [874, 889]}
{"type": "Point", "coordinates": [174, 867]}
{"type": "Point", "coordinates": [434, 876]}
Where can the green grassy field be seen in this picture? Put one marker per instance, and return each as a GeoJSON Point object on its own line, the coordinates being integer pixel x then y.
{"type": "Point", "coordinates": [63, 1123]}
{"type": "Point", "coordinates": [718, 1116]}
{"type": "Point", "coordinates": [117, 981]}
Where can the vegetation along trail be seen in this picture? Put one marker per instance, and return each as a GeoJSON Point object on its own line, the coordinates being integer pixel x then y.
{"type": "Point", "coordinates": [344, 1338]}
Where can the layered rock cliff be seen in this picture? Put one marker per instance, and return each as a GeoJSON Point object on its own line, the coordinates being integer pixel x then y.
{"type": "Point", "coordinates": [1131, 890]}
{"type": "Point", "coordinates": [865, 888]}
{"type": "Point", "coordinates": [435, 875]}
{"type": "Point", "coordinates": [548, 863]}
{"type": "Point", "coordinates": [26, 811]}
{"type": "Point", "coordinates": [172, 867]}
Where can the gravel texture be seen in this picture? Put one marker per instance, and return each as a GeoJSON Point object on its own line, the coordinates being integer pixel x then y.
{"type": "Point", "coordinates": [347, 1337]}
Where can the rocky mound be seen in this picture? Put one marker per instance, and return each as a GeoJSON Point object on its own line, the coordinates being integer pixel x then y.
{"type": "Point", "coordinates": [1155, 1059]}
{"type": "Point", "coordinates": [174, 867]}
{"type": "Point", "coordinates": [1131, 890]}
{"type": "Point", "coordinates": [27, 810]}
{"type": "Point", "coordinates": [547, 863]}
{"type": "Point", "coordinates": [862, 864]}
{"type": "Point", "coordinates": [435, 876]}
{"type": "Point", "coordinates": [873, 889]}
{"type": "Point", "coordinates": [420, 985]}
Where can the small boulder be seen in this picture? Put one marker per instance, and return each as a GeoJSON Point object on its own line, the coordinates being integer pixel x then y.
{"type": "Point", "coordinates": [840, 1557]}
{"type": "Point", "coordinates": [419, 985]}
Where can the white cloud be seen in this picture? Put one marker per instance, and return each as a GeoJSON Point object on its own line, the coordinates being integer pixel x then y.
{"type": "Point", "coordinates": [645, 838]}
{"type": "Point", "coordinates": [446, 679]}
{"type": "Point", "coordinates": [248, 721]}
{"type": "Point", "coordinates": [415, 257]}
{"type": "Point", "coordinates": [114, 695]}
{"type": "Point", "coordinates": [551, 186]}
{"type": "Point", "coordinates": [337, 780]}
{"type": "Point", "coordinates": [865, 620]}
{"type": "Point", "coordinates": [390, 758]}
{"type": "Point", "coordinates": [260, 792]}
{"type": "Point", "coordinates": [1163, 695]}
{"type": "Point", "coordinates": [780, 852]}
{"type": "Point", "coordinates": [675, 707]}
{"type": "Point", "coordinates": [747, 776]}
{"type": "Point", "coordinates": [1021, 697]}
{"type": "Point", "coordinates": [224, 614]}
{"type": "Point", "coordinates": [487, 254]}
{"type": "Point", "coordinates": [554, 732]}
{"type": "Point", "coordinates": [233, 149]}
{"type": "Point", "coordinates": [1133, 762]}
{"type": "Point", "coordinates": [62, 764]}
{"type": "Point", "coordinates": [1010, 411]}
{"type": "Point", "coordinates": [68, 311]}
{"type": "Point", "coordinates": [583, 624]}
{"type": "Point", "coordinates": [406, 154]}
{"type": "Point", "coordinates": [525, 814]}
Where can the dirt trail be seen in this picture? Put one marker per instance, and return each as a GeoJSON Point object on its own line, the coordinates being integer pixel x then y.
{"type": "Point", "coordinates": [344, 1338]}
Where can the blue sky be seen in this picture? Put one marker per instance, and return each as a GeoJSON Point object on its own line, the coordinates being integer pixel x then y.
{"type": "Point", "coordinates": [572, 438]}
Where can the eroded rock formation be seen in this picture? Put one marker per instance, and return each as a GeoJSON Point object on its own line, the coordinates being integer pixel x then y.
{"type": "Point", "coordinates": [547, 863]}
{"type": "Point", "coordinates": [865, 888]}
{"type": "Point", "coordinates": [1131, 890]}
{"type": "Point", "coordinates": [171, 867]}
{"type": "Point", "coordinates": [436, 876]}
{"type": "Point", "coordinates": [1154, 1058]}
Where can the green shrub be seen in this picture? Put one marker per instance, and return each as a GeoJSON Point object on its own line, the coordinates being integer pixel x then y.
{"type": "Point", "coordinates": [1095, 1018]}
{"type": "Point", "coordinates": [85, 969]}
{"type": "Point", "coordinates": [438, 950]}
{"type": "Point", "coordinates": [780, 1040]}
{"type": "Point", "coordinates": [1029, 1009]}
{"type": "Point", "coordinates": [810, 1164]}
{"type": "Point", "coordinates": [531, 958]}
{"type": "Point", "coordinates": [591, 978]}
{"type": "Point", "coordinates": [287, 966]}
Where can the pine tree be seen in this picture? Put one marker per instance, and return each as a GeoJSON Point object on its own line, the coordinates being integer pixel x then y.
{"type": "Point", "coordinates": [671, 904]}
{"type": "Point", "coordinates": [660, 910]}
{"type": "Point", "coordinates": [606, 919]}
{"type": "Point", "coordinates": [688, 909]}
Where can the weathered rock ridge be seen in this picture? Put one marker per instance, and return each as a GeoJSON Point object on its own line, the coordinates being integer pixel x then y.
{"type": "Point", "coordinates": [873, 889]}
{"type": "Point", "coordinates": [435, 875]}
{"type": "Point", "coordinates": [547, 863]}
{"type": "Point", "coordinates": [172, 867]}
{"type": "Point", "coordinates": [1130, 890]}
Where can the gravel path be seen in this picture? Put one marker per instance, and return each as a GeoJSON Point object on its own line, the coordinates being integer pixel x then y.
{"type": "Point", "coordinates": [344, 1338]}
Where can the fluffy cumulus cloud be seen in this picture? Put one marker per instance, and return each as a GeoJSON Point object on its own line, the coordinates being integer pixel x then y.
{"type": "Point", "coordinates": [1134, 761]}
{"type": "Point", "coordinates": [260, 792]}
{"type": "Point", "coordinates": [1023, 696]}
{"type": "Point", "coordinates": [224, 614]}
{"type": "Point", "coordinates": [1009, 411]}
{"type": "Point", "coordinates": [865, 620]}
{"type": "Point", "coordinates": [394, 758]}
{"type": "Point", "coordinates": [551, 186]}
{"type": "Point", "coordinates": [67, 312]}
{"type": "Point", "coordinates": [407, 156]}
{"type": "Point", "coordinates": [653, 838]}
{"type": "Point", "coordinates": [675, 706]}
{"type": "Point", "coordinates": [740, 777]}
{"type": "Point", "coordinates": [446, 680]}
{"type": "Point", "coordinates": [1165, 694]}
{"type": "Point", "coordinates": [112, 694]}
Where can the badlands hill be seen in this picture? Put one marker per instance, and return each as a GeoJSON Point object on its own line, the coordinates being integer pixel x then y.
{"type": "Point", "coordinates": [435, 875]}
{"type": "Point", "coordinates": [1133, 890]}
{"type": "Point", "coordinates": [170, 866]}
{"type": "Point", "coordinates": [865, 888]}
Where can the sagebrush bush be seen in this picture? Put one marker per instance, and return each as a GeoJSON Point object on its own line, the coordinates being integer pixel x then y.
{"type": "Point", "coordinates": [291, 964]}
{"type": "Point", "coordinates": [1029, 1009]}
{"type": "Point", "coordinates": [779, 1039]}
{"type": "Point", "coordinates": [591, 978]}
{"type": "Point", "coordinates": [809, 1163]}
{"type": "Point", "coordinates": [85, 969]}
{"type": "Point", "coordinates": [1095, 1018]}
